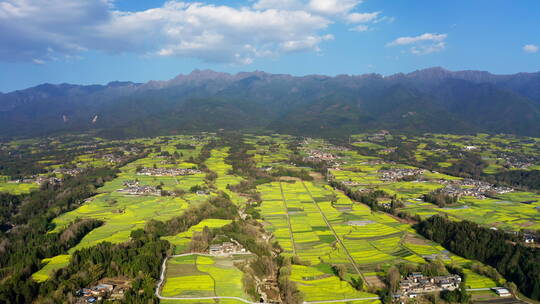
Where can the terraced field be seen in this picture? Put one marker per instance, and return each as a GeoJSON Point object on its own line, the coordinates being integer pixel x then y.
{"type": "Point", "coordinates": [203, 276]}
{"type": "Point", "coordinates": [181, 240]}
{"type": "Point", "coordinates": [323, 235]}
{"type": "Point", "coordinates": [122, 213]}
{"type": "Point", "coordinates": [506, 212]}
{"type": "Point", "coordinates": [17, 188]}
{"type": "Point", "coordinates": [217, 164]}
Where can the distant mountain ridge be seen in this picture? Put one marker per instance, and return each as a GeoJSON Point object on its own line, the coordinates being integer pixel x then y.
{"type": "Point", "coordinates": [429, 100]}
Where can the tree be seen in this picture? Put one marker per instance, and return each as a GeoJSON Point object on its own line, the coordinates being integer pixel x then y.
{"type": "Point", "coordinates": [393, 277]}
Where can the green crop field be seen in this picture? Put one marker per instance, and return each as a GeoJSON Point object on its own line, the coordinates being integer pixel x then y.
{"type": "Point", "coordinates": [365, 237]}
{"type": "Point", "coordinates": [51, 264]}
{"type": "Point", "coordinates": [17, 188]}
{"type": "Point", "coordinates": [318, 225]}
{"type": "Point", "coordinates": [202, 276]}
{"type": "Point", "coordinates": [123, 213]}
{"type": "Point", "coordinates": [181, 240]}
{"type": "Point", "coordinates": [217, 164]}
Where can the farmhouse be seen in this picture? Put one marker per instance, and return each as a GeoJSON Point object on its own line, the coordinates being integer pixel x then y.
{"type": "Point", "coordinates": [416, 283]}
{"type": "Point", "coordinates": [113, 289]}
{"type": "Point", "coordinates": [133, 188]}
{"type": "Point", "coordinates": [529, 238]}
{"type": "Point", "coordinates": [502, 292]}
{"type": "Point", "coordinates": [227, 248]}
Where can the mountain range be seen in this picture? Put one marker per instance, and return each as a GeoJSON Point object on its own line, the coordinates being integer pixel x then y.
{"type": "Point", "coordinates": [429, 100]}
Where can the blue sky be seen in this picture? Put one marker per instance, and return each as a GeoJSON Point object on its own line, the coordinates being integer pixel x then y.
{"type": "Point", "coordinates": [97, 41]}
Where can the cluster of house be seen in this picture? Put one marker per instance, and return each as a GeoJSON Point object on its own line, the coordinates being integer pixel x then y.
{"type": "Point", "coordinates": [227, 248]}
{"type": "Point", "coordinates": [472, 187]}
{"type": "Point", "coordinates": [134, 188]}
{"type": "Point", "coordinates": [529, 238]}
{"type": "Point", "coordinates": [112, 158]}
{"type": "Point", "coordinates": [167, 171]}
{"type": "Point", "coordinates": [416, 283]}
{"type": "Point", "coordinates": [519, 161]}
{"type": "Point", "coordinates": [395, 174]}
{"type": "Point", "coordinates": [351, 183]}
{"type": "Point", "coordinates": [101, 291]}
{"type": "Point", "coordinates": [38, 179]}
{"type": "Point", "coordinates": [66, 171]}
{"type": "Point", "coordinates": [379, 136]}
{"type": "Point", "coordinates": [318, 156]}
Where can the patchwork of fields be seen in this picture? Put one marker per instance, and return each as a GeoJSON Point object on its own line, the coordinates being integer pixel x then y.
{"type": "Point", "coordinates": [309, 219]}
{"type": "Point", "coordinates": [122, 213]}
{"type": "Point", "coordinates": [506, 212]}
{"type": "Point", "coordinates": [203, 276]}
{"type": "Point", "coordinates": [325, 228]}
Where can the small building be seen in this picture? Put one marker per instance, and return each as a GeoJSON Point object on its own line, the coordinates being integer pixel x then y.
{"type": "Point", "coordinates": [104, 288]}
{"type": "Point", "coordinates": [215, 249]}
{"type": "Point", "coordinates": [502, 292]}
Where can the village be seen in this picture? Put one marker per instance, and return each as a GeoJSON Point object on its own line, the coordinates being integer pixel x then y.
{"type": "Point", "coordinates": [396, 174]}
{"type": "Point", "coordinates": [227, 249]}
{"type": "Point", "coordinates": [111, 289]}
{"type": "Point", "coordinates": [134, 188]}
{"type": "Point", "coordinates": [471, 187]}
{"type": "Point", "coordinates": [416, 284]}
{"type": "Point", "coordinates": [166, 171]}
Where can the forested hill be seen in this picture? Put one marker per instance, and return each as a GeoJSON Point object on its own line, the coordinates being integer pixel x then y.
{"type": "Point", "coordinates": [434, 100]}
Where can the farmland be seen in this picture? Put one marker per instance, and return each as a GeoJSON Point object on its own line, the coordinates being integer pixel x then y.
{"type": "Point", "coordinates": [123, 213]}
{"type": "Point", "coordinates": [505, 211]}
{"type": "Point", "coordinates": [202, 276]}
{"type": "Point", "coordinates": [332, 247]}
{"type": "Point", "coordinates": [324, 228]}
{"type": "Point", "coordinates": [17, 188]}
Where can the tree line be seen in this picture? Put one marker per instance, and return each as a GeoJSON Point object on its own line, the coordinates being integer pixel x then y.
{"type": "Point", "coordinates": [517, 263]}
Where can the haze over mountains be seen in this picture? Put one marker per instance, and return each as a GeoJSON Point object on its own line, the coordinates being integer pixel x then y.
{"type": "Point", "coordinates": [430, 100]}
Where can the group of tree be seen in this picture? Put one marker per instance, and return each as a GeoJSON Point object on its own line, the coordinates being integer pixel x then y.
{"type": "Point", "coordinates": [29, 241]}
{"type": "Point", "coordinates": [516, 262]}
{"type": "Point", "coordinates": [440, 198]}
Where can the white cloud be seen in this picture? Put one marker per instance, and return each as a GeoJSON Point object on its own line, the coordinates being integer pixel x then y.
{"type": "Point", "coordinates": [362, 17]}
{"type": "Point", "coordinates": [333, 7]}
{"type": "Point", "coordinates": [422, 44]}
{"type": "Point", "coordinates": [279, 4]}
{"type": "Point", "coordinates": [423, 37]}
{"type": "Point", "coordinates": [35, 32]}
{"type": "Point", "coordinates": [360, 28]}
{"type": "Point", "coordinates": [530, 48]}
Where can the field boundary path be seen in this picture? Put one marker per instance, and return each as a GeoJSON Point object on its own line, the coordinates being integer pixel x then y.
{"type": "Point", "coordinates": [336, 236]}
{"type": "Point", "coordinates": [162, 279]}
{"type": "Point", "coordinates": [288, 217]}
